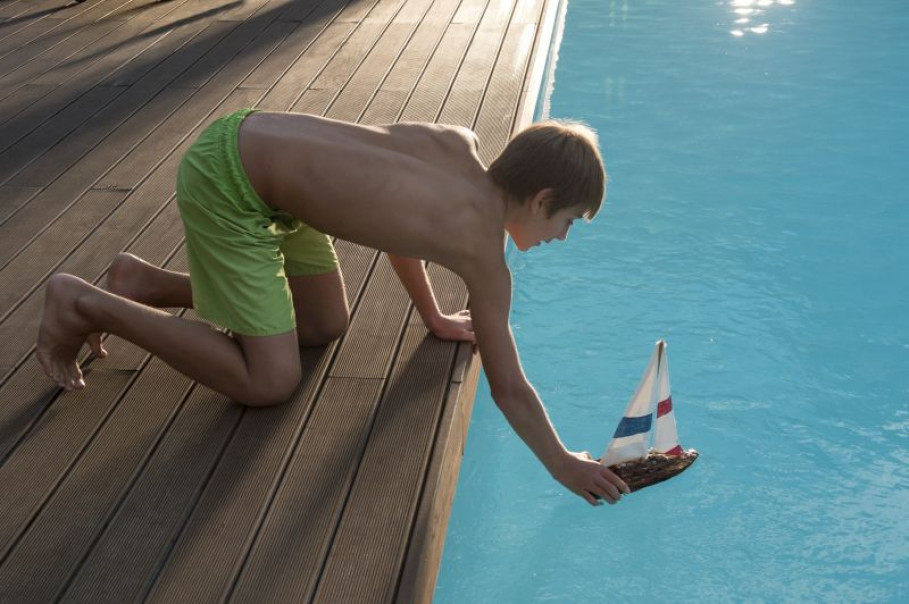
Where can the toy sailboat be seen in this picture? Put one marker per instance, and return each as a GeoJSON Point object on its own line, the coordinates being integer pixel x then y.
{"type": "Point", "coordinates": [628, 453]}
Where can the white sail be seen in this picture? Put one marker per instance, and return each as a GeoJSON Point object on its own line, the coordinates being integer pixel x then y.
{"type": "Point", "coordinates": [665, 434]}
{"type": "Point", "coordinates": [631, 439]}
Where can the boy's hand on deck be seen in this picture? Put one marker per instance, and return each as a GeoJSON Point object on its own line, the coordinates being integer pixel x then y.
{"type": "Point", "coordinates": [585, 477]}
{"type": "Point", "coordinates": [457, 327]}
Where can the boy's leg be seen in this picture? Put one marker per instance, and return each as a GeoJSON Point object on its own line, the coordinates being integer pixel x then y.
{"type": "Point", "coordinates": [320, 301]}
{"type": "Point", "coordinates": [250, 370]}
{"type": "Point", "coordinates": [320, 305]}
{"type": "Point", "coordinates": [134, 278]}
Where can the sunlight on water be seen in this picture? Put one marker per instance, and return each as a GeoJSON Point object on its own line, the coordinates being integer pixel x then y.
{"type": "Point", "coordinates": [752, 15]}
{"type": "Point", "coordinates": [756, 220]}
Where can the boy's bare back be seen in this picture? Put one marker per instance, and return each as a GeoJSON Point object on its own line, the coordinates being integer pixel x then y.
{"type": "Point", "coordinates": [417, 190]}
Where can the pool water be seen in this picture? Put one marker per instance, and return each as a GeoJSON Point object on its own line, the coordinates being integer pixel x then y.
{"type": "Point", "coordinates": [756, 218]}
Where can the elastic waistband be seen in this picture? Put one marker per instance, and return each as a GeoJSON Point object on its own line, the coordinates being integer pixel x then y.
{"type": "Point", "coordinates": [229, 129]}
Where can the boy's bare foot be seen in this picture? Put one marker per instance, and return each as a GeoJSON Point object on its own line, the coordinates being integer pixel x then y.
{"type": "Point", "coordinates": [127, 277]}
{"type": "Point", "coordinates": [64, 330]}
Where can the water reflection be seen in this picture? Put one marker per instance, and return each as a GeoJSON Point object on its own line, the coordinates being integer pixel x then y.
{"type": "Point", "coordinates": [751, 15]}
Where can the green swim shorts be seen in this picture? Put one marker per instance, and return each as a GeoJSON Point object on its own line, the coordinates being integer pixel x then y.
{"type": "Point", "coordinates": [241, 251]}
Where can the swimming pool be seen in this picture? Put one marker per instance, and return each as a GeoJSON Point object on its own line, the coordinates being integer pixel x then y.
{"type": "Point", "coordinates": [756, 220]}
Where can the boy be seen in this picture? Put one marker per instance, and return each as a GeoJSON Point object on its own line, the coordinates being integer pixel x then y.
{"type": "Point", "coordinates": [259, 194]}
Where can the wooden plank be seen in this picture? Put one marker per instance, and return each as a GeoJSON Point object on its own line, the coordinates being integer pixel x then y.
{"type": "Point", "coordinates": [12, 198]}
{"type": "Point", "coordinates": [223, 510]}
{"type": "Point", "coordinates": [368, 550]}
{"type": "Point", "coordinates": [427, 98]}
{"type": "Point", "coordinates": [174, 158]}
{"type": "Point", "coordinates": [19, 275]}
{"type": "Point", "coordinates": [432, 40]}
{"type": "Point", "coordinates": [12, 8]}
{"type": "Point", "coordinates": [115, 49]}
{"type": "Point", "coordinates": [290, 50]}
{"type": "Point", "coordinates": [289, 88]}
{"type": "Point", "coordinates": [180, 27]}
{"type": "Point", "coordinates": [33, 265]}
{"type": "Point", "coordinates": [427, 541]}
{"type": "Point", "coordinates": [420, 47]}
{"type": "Point", "coordinates": [39, 38]}
{"type": "Point", "coordinates": [462, 104]}
{"type": "Point", "coordinates": [305, 12]}
{"type": "Point", "coordinates": [424, 550]}
{"type": "Point", "coordinates": [351, 54]}
{"type": "Point", "coordinates": [247, 44]}
{"type": "Point", "coordinates": [351, 101]}
{"type": "Point", "coordinates": [52, 447]}
{"type": "Point", "coordinates": [368, 347]}
{"type": "Point", "coordinates": [548, 37]}
{"type": "Point", "coordinates": [355, 12]}
{"type": "Point", "coordinates": [30, 69]}
{"type": "Point", "coordinates": [19, 31]}
{"type": "Point", "coordinates": [495, 120]}
{"type": "Point", "coordinates": [20, 100]}
{"type": "Point", "coordinates": [470, 12]}
{"type": "Point", "coordinates": [19, 149]}
{"type": "Point", "coordinates": [121, 565]}
{"type": "Point", "coordinates": [310, 499]}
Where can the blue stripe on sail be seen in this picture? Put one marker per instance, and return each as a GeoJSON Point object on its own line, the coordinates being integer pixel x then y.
{"type": "Point", "coordinates": [629, 426]}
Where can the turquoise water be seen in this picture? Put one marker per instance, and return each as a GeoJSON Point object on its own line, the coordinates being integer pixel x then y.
{"type": "Point", "coordinates": [756, 219]}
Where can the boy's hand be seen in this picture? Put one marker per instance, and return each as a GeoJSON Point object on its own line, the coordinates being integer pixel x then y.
{"type": "Point", "coordinates": [585, 477]}
{"type": "Point", "coordinates": [457, 327]}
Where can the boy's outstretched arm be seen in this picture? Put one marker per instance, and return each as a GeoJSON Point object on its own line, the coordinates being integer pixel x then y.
{"type": "Point", "coordinates": [490, 302]}
{"type": "Point", "coordinates": [412, 274]}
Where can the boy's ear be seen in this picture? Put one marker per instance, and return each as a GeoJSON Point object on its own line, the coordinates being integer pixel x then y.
{"type": "Point", "coordinates": [541, 200]}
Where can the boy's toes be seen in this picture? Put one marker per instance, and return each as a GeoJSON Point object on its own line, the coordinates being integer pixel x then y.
{"type": "Point", "coordinates": [74, 379]}
{"type": "Point", "coordinates": [94, 342]}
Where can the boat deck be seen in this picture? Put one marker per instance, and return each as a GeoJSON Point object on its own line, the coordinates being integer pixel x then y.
{"type": "Point", "coordinates": [145, 485]}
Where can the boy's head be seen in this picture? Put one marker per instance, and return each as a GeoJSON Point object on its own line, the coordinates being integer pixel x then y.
{"type": "Point", "coordinates": [560, 155]}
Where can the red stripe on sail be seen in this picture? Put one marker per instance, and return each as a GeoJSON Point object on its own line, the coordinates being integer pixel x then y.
{"type": "Point", "coordinates": [664, 407]}
{"type": "Point", "coordinates": [675, 451]}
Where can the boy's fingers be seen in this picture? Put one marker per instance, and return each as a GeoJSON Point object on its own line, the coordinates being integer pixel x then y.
{"type": "Point", "coordinates": [591, 499]}
{"type": "Point", "coordinates": [610, 492]}
{"type": "Point", "coordinates": [613, 478]}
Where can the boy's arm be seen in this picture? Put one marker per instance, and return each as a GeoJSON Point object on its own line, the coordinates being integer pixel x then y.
{"type": "Point", "coordinates": [412, 274]}
{"type": "Point", "coordinates": [490, 302]}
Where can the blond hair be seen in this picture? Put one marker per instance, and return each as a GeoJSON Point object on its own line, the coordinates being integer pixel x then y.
{"type": "Point", "coordinates": [561, 155]}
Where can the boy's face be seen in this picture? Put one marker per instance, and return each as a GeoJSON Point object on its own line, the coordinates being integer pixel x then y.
{"type": "Point", "coordinates": [533, 227]}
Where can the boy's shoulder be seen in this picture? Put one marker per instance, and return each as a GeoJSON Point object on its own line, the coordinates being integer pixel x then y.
{"type": "Point", "coordinates": [451, 133]}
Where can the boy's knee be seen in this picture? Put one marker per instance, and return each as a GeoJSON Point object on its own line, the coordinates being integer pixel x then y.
{"type": "Point", "coordinates": [271, 392]}
{"type": "Point", "coordinates": [323, 332]}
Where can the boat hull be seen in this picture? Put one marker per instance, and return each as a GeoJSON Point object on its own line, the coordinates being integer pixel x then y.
{"type": "Point", "coordinates": [653, 469]}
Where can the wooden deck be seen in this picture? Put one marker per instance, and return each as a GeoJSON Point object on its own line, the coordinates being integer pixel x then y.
{"type": "Point", "coordinates": [146, 486]}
